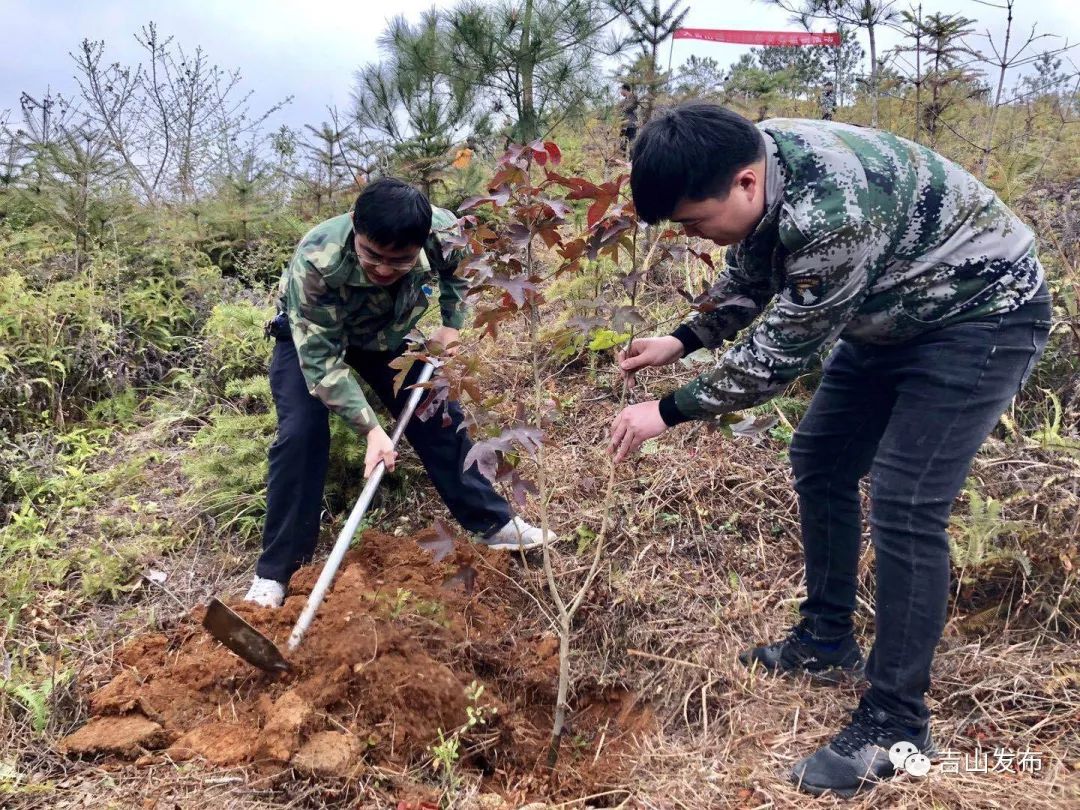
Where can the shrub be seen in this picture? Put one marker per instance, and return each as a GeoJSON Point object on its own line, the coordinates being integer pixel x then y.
{"type": "Point", "coordinates": [234, 343]}
{"type": "Point", "coordinates": [69, 338]}
{"type": "Point", "coordinates": [228, 474]}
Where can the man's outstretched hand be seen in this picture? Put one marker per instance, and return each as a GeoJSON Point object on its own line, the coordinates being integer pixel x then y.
{"type": "Point", "coordinates": [651, 351]}
{"type": "Point", "coordinates": [379, 448]}
{"type": "Point", "coordinates": [634, 425]}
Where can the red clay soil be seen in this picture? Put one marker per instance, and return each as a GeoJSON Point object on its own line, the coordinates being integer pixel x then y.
{"type": "Point", "coordinates": [386, 666]}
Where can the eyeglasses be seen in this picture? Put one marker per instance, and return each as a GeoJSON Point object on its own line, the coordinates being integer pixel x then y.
{"type": "Point", "coordinates": [369, 259]}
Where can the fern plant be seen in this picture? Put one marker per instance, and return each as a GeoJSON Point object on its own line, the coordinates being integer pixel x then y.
{"type": "Point", "coordinates": [1049, 435]}
{"type": "Point", "coordinates": [977, 539]}
{"type": "Point", "coordinates": [234, 342]}
{"type": "Point", "coordinates": [34, 696]}
{"type": "Point", "coordinates": [228, 475]}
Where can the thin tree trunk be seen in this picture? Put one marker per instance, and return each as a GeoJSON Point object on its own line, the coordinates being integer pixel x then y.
{"type": "Point", "coordinates": [654, 84]}
{"type": "Point", "coordinates": [528, 126]}
{"type": "Point", "coordinates": [935, 108]}
{"type": "Point", "coordinates": [873, 77]}
{"type": "Point", "coordinates": [918, 75]}
{"type": "Point", "coordinates": [81, 229]}
{"type": "Point", "coordinates": [838, 76]}
{"type": "Point", "coordinates": [988, 144]}
{"type": "Point", "coordinates": [153, 48]}
{"type": "Point", "coordinates": [187, 180]}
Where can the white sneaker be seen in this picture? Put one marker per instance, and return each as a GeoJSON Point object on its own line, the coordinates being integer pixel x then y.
{"type": "Point", "coordinates": [517, 535]}
{"type": "Point", "coordinates": [266, 592]}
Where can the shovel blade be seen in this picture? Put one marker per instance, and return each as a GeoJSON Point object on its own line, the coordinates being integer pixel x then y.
{"type": "Point", "coordinates": [227, 627]}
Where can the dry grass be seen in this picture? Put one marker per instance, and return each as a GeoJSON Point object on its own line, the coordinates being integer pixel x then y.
{"type": "Point", "coordinates": [704, 560]}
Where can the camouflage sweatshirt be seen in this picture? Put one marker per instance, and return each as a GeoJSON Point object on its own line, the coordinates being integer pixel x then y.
{"type": "Point", "coordinates": [867, 236]}
{"type": "Point", "coordinates": [333, 307]}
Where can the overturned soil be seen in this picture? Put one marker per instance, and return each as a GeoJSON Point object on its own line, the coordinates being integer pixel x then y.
{"type": "Point", "coordinates": [396, 657]}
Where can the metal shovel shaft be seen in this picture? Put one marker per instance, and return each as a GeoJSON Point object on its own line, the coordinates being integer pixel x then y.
{"type": "Point", "coordinates": [341, 545]}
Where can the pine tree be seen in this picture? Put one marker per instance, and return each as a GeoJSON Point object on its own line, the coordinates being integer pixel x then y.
{"type": "Point", "coordinates": [938, 52]}
{"type": "Point", "coordinates": [650, 27]}
{"type": "Point", "coordinates": [868, 14]}
{"type": "Point", "coordinates": [328, 174]}
{"type": "Point", "coordinates": [700, 76]}
{"type": "Point", "coordinates": [535, 60]}
{"type": "Point", "coordinates": [414, 98]}
{"type": "Point", "coordinates": [803, 68]}
{"type": "Point", "coordinates": [843, 63]}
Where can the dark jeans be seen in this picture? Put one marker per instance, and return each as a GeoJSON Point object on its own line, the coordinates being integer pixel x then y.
{"type": "Point", "coordinates": [300, 454]}
{"type": "Point", "coordinates": [913, 416]}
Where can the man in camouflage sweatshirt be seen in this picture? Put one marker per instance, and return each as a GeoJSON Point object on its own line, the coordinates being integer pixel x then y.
{"type": "Point", "coordinates": [354, 289]}
{"type": "Point", "coordinates": [932, 287]}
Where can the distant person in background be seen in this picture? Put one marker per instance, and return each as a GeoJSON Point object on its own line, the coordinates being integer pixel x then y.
{"type": "Point", "coordinates": [628, 110]}
{"type": "Point", "coordinates": [828, 101]}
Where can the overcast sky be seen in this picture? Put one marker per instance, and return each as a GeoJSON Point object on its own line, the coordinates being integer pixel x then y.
{"type": "Point", "coordinates": [309, 50]}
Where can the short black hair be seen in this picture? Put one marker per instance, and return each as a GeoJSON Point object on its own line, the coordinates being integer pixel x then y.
{"type": "Point", "coordinates": [689, 152]}
{"type": "Point", "coordinates": [392, 214]}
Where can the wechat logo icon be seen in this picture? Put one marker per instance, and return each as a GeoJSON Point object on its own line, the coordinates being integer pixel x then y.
{"type": "Point", "coordinates": [905, 756]}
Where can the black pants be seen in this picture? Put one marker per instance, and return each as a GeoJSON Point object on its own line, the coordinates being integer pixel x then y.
{"type": "Point", "coordinates": [300, 455]}
{"type": "Point", "coordinates": [913, 416]}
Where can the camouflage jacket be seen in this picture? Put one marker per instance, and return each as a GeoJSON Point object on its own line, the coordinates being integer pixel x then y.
{"type": "Point", "coordinates": [866, 236]}
{"type": "Point", "coordinates": [332, 307]}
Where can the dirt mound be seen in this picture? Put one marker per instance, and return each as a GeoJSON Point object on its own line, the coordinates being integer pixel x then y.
{"type": "Point", "coordinates": [126, 735]}
{"type": "Point", "coordinates": [404, 652]}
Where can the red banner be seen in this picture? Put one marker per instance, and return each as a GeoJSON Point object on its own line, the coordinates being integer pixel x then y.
{"type": "Point", "coordinates": [759, 37]}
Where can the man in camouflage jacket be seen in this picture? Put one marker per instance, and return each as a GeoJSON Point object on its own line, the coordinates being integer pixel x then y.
{"type": "Point", "coordinates": [355, 288]}
{"type": "Point", "coordinates": [933, 289]}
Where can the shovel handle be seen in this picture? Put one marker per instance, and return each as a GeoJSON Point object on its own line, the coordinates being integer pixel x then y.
{"type": "Point", "coordinates": [341, 545]}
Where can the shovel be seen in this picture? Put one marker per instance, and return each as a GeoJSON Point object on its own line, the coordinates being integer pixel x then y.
{"type": "Point", "coordinates": [226, 625]}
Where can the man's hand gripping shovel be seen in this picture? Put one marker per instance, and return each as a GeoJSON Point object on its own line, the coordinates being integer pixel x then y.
{"type": "Point", "coordinates": [226, 625]}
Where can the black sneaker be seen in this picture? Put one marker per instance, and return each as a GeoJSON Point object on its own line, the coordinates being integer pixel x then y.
{"type": "Point", "coordinates": [858, 757]}
{"type": "Point", "coordinates": [800, 653]}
